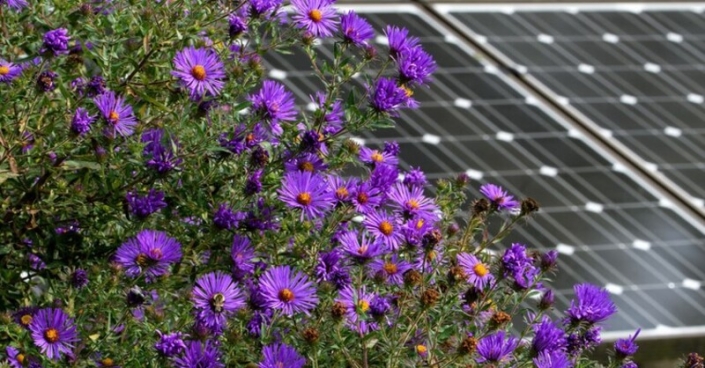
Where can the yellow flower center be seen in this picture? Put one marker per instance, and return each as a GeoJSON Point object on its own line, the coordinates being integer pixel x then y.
{"type": "Point", "coordinates": [341, 192]}
{"type": "Point", "coordinates": [431, 255]}
{"type": "Point", "coordinates": [20, 358]}
{"type": "Point", "coordinates": [250, 138]}
{"type": "Point", "coordinates": [286, 295]}
{"type": "Point", "coordinates": [142, 260]}
{"type": "Point", "coordinates": [420, 349]}
{"type": "Point", "coordinates": [26, 319]}
{"type": "Point", "coordinates": [113, 117]}
{"type": "Point", "coordinates": [306, 166]}
{"type": "Point", "coordinates": [390, 268]}
{"type": "Point", "coordinates": [198, 72]}
{"type": "Point", "coordinates": [413, 204]}
{"type": "Point", "coordinates": [303, 199]}
{"type": "Point", "coordinates": [4, 70]}
{"type": "Point", "coordinates": [364, 305]}
{"type": "Point", "coordinates": [51, 335]}
{"type": "Point", "coordinates": [315, 15]}
{"type": "Point", "coordinates": [377, 157]}
{"type": "Point", "coordinates": [107, 362]}
{"type": "Point", "coordinates": [407, 91]}
{"type": "Point", "coordinates": [386, 227]}
{"type": "Point", "coordinates": [480, 270]}
{"type": "Point", "coordinates": [419, 223]}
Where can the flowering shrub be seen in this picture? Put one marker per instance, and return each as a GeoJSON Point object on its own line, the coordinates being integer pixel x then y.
{"type": "Point", "coordinates": [165, 205]}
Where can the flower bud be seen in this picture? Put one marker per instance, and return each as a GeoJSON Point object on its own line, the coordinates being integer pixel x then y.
{"type": "Point", "coordinates": [430, 297]}
{"type": "Point", "coordinates": [547, 300]}
{"type": "Point", "coordinates": [412, 278]}
{"type": "Point", "coordinates": [481, 206]}
{"type": "Point", "coordinates": [311, 335]}
{"type": "Point", "coordinates": [468, 345]}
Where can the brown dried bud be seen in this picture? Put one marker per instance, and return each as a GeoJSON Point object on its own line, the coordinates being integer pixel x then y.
{"type": "Point", "coordinates": [456, 274]}
{"type": "Point", "coordinates": [462, 180]}
{"type": "Point", "coordinates": [430, 297]}
{"type": "Point", "coordinates": [432, 238]}
{"type": "Point", "coordinates": [259, 157]}
{"type": "Point", "coordinates": [500, 318]}
{"type": "Point", "coordinates": [481, 206]}
{"type": "Point", "coordinates": [529, 206]}
{"type": "Point", "coordinates": [352, 147]}
{"type": "Point", "coordinates": [86, 9]}
{"type": "Point", "coordinates": [468, 345]}
{"type": "Point", "coordinates": [311, 335]}
{"type": "Point", "coordinates": [370, 52]}
{"type": "Point", "coordinates": [338, 310]}
{"type": "Point", "coordinates": [453, 229]}
{"type": "Point", "coordinates": [412, 278]}
{"type": "Point", "coordinates": [471, 296]}
{"type": "Point", "coordinates": [694, 361]}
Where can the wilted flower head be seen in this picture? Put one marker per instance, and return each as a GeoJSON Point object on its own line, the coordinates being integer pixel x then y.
{"type": "Point", "coordinates": [53, 332]}
{"type": "Point", "coordinates": [79, 278]}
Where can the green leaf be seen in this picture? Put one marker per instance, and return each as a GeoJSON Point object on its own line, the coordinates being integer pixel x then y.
{"type": "Point", "coordinates": [76, 165]}
{"type": "Point", "coordinates": [6, 174]}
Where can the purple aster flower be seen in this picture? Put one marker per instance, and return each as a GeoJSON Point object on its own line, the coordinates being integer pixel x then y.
{"type": "Point", "coordinates": [631, 364]}
{"type": "Point", "coordinates": [14, 357]}
{"type": "Point", "coordinates": [253, 184]}
{"type": "Point", "coordinates": [584, 340]}
{"type": "Point", "coordinates": [334, 114]}
{"type": "Point", "coordinates": [626, 347]}
{"type": "Point", "coordinates": [547, 337]}
{"type": "Point", "coordinates": [143, 206]}
{"type": "Point", "coordinates": [361, 249]}
{"type": "Point", "coordinates": [477, 273]}
{"type": "Point", "coordinates": [288, 290]}
{"type": "Point", "coordinates": [415, 66]}
{"type": "Point", "coordinates": [328, 264]}
{"type": "Point", "coordinates": [150, 253]}
{"type": "Point", "coordinates": [306, 191]}
{"type": "Point", "coordinates": [399, 40]}
{"type": "Point", "coordinates": [35, 262]}
{"type": "Point", "coordinates": [547, 300]}
{"type": "Point", "coordinates": [411, 202]}
{"type": "Point", "coordinates": [281, 355]}
{"type": "Point", "coordinates": [387, 96]}
{"type": "Point", "coordinates": [81, 122]}
{"type": "Point", "coordinates": [24, 316]}
{"type": "Point", "coordinates": [8, 71]}
{"type": "Point", "coordinates": [341, 188]}
{"type": "Point", "coordinates": [428, 260]}
{"type": "Point", "coordinates": [14, 4]}
{"type": "Point", "coordinates": [56, 41]}
{"type": "Point", "coordinates": [46, 81]}
{"type": "Point", "coordinates": [384, 227]}
{"type": "Point", "coordinates": [376, 157]}
{"type": "Point", "coordinates": [365, 197]}
{"type": "Point", "coordinates": [310, 162]}
{"type": "Point", "coordinates": [226, 218]}
{"type": "Point", "coordinates": [259, 319]}
{"type": "Point", "coordinates": [384, 176]}
{"type": "Point", "coordinates": [79, 278]}
{"type": "Point", "coordinates": [341, 279]}
{"type": "Point", "coordinates": [238, 25]}
{"type": "Point", "coordinates": [96, 86]}
{"type": "Point", "coordinates": [160, 150]}
{"type": "Point", "coordinates": [379, 306]}
{"type": "Point", "coordinates": [274, 103]}
{"type": "Point", "coordinates": [593, 304]}
{"type": "Point", "coordinates": [200, 70]}
{"type": "Point", "coordinates": [169, 345]}
{"type": "Point", "coordinates": [499, 197]}
{"type": "Point", "coordinates": [415, 178]}
{"type": "Point", "coordinates": [357, 309]}
{"type": "Point", "coordinates": [242, 254]}
{"type": "Point", "coordinates": [552, 359]}
{"type": "Point", "coordinates": [117, 114]}
{"type": "Point", "coordinates": [392, 148]}
{"type": "Point", "coordinates": [53, 332]}
{"type": "Point", "coordinates": [519, 265]}
{"type": "Point", "coordinates": [215, 298]}
{"type": "Point", "coordinates": [262, 7]}
{"type": "Point", "coordinates": [355, 29]}
{"type": "Point", "coordinates": [390, 271]}
{"type": "Point", "coordinates": [548, 260]}
{"type": "Point", "coordinates": [200, 355]}
{"type": "Point", "coordinates": [315, 16]}
{"type": "Point", "coordinates": [496, 348]}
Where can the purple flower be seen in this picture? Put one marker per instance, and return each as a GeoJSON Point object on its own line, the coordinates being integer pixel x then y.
{"type": "Point", "coordinates": [365, 197]}
{"type": "Point", "coordinates": [46, 81]}
{"type": "Point", "coordinates": [14, 4]}
{"type": "Point", "coordinates": [548, 337]}
{"type": "Point", "coordinates": [341, 188]}
{"type": "Point", "coordinates": [288, 290]}
{"type": "Point", "coordinates": [281, 355]}
{"type": "Point", "coordinates": [631, 364]}
{"type": "Point", "coordinates": [357, 309]}
{"type": "Point", "coordinates": [626, 347]}
{"type": "Point", "coordinates": [328, 264]}
{"type": "Point", "coordinates": [412, 202]}
{"type": "Point", "coordinates": [200, 70]}
{"type": "Point", "coordinates": [593, 304]}
{"type": "Point", "coordinates": [56, 41]}
{"type": "Point", "coordinates": [79, 278]}
{"type": "Point", "coordinates": [96, 86]}
{"type": "Point", "coordinates": [117, 114]}
{"type": "Point", "coordinates": [259, 318]}
{"type": "Point", "coordinates": [53, 332]}
{"type": "Point", "coordinates": [517, 264]}
{"type": "Point", "coordinates": [306, 191]}
{"type": "Point", "coordinates": [160, 150]}
{"type": "Point", "coordinates": [415, 178]}
{"type": "Point", "coordinates": [399, 40]}
{"type": "Point", "coordinates": [199, 355]}
{"type": "Point", "coordinates": [35, 262]}
{"type": "Point", "coordinates": [495, 348]}
{"type": "Point", "coordinates": [226, 218]}
{"type": "Point", "coordinates": [477, 273]}
{"type": "Point", "coordinates": [499, 197]}
{"type": "Point", "coordinates": [334, 113]}
{"type": "Point", "coordinates": [238, 25]}
{"type": "Point", "coordinates": [8, 70]}
{"type": "Point", "coordinates": [415, 66]}
{"type": "Point", "coordinates": [385, 228]}
{"type": "Point", "coordinates": [355, 29]}
{"type": "Point", "coordinates": [143, 206]}
{"type": "Point", "coordinates": [315, 16]}
{"type": "Point", "coordinates": [242, 254]}
{"type": "Point", "coordinates": [376, 157]}
{"type": "Point", "coordinates": [81, 122]}
{"type": "Point", "coordinates": [584, 340]}
{"type": "Point", "coordinates": [360, 249]}
{"type": "Point", "coordinates": [215, 297]}
{"type": "Point", "coordinates": [547, 300]}
{"type": "Point", "coordinates": [379, 306]}
{"type": "Point", "coordinates": [552, 359]}
{"type": "Point", "coordinates": [262, 7]}
{"type": "Point", "coordinates": [150, 253]}
{"type": "Point", "coordinates": [170, 344]}
{"type": "Point", "coordinates": [387, 96]}
{"type": "Point", "coordinates": [253, 184]}
{"type": "Point", "coordinates": [548, 260]}
{"type": "Point", "coordinates": [274, 103]}
{"type": "Point", "coordinates": [310, 162]}
{"type": "Point", "coordinates": [24, 316]}
{"type": "Point", "coordinates": [390, 271]}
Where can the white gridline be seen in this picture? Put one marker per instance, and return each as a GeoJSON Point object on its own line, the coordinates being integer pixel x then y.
{"type": "Point", "coordinates": [564, 295]}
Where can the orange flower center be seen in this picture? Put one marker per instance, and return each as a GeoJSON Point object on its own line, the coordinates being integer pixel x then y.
{"type": "Point", "coordinates": [250, 137]}
{"type": "Point", "coordinates": [386, 227]}
{"type": "Point", "coordinates": [413, 204]}
{"type": "Point", "coordinates": [198, 72]}
{"type": "Point", "coordinates": [51, 335]}
{"type": "Point", "coordinates": [363, 305]}
{"type": "Point", "coordinates": [306, 166]}
{"type": "Point", "coordinates": [362, 249]}
{"type": "Point", "coordinates": [390, 268]}
{"type": "Point", "coordinates": [304, 198]}
{"type": "Point", "coordinates": [420, 349]}
{"type": "Point", "coordinates": [315, 15]}
{"type": "Point", "coordinates": [377, 157]}
{"type": "Point", "coordinates": [4, 70]}
{"type": "Point", "coordinates": [113, 117]}
{"type": "Point", "coordinates": [407, 91]}
{"type": "Point", "coordinates": [419, 223]}
{"type": "Point", "coordinates": [20, 358]}
{"type": "Point", "coordinates": [480, 270]}
{"type": "Point", "coordinates": [341, 192]}
{"type": "Point", "coordinates": [26, 319]}
{"type": "Point", "coordinates": [362, 198]}
{"type": "Point", "coordinates": [431, 255]}
{"type": "Point", "coordinates": [286, 295]}
{"type": "Point", "coordinates": [107, 362]}
{"type": "Point", "coordinates": [142, 260]}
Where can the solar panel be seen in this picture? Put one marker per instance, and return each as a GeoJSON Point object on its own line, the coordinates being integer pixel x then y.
{"type": "Point", "coordinates": [611, 227]}
{"type": "Point", "coordinates": [632, 72]}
